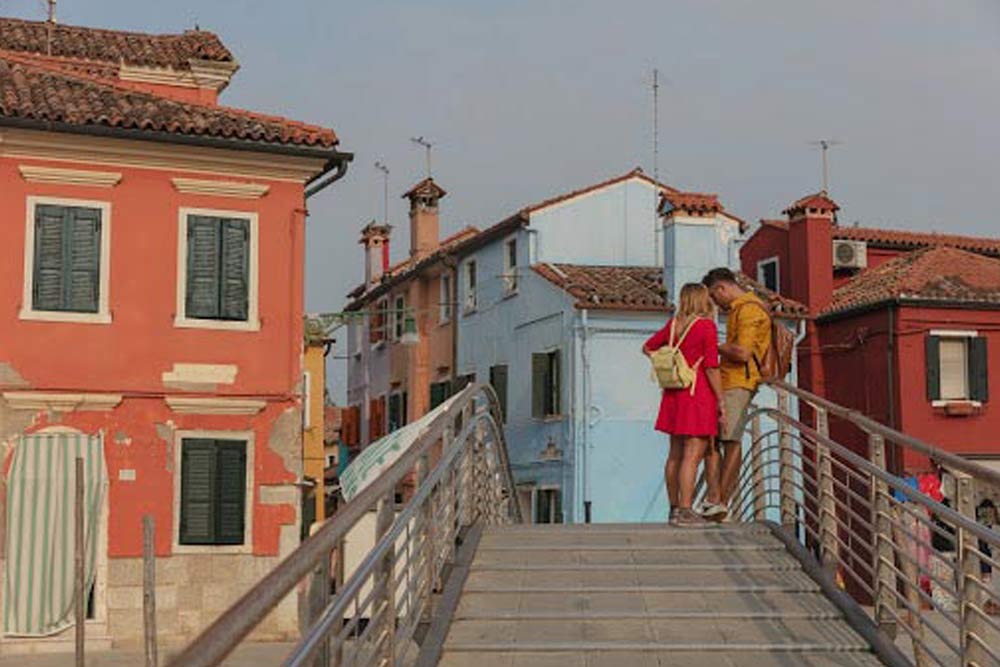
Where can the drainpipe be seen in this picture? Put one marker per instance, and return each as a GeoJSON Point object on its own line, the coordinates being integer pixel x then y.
{"type": "Point", "coordinates": [340, 170]}
{"type": "Point", "coordinates": [585, 455]}
{"type": "Point", "coordinates": [450, 264]}
{"type": "Point", "coordinates": [896, 465]}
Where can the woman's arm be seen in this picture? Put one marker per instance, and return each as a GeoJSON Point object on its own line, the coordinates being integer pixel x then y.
{"type": "Point", "coordinates": [656, 341]}
{"type": "Point", "coordinates": [715, 382]}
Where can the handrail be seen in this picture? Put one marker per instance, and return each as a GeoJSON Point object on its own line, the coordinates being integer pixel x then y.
{"type": "Point", "coordinates": [869, 425]}
{"type": "Point", "coordinates": [212, 646]}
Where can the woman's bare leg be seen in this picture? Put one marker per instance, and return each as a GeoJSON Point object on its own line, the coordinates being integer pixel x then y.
{"type": "Point", "coordinates": [694, 452]}
{"type": "Point", "coordinates": [672, 470]}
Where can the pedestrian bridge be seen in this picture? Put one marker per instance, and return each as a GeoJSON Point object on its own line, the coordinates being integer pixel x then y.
{"type": "Point", "coordinates": [830, 561]}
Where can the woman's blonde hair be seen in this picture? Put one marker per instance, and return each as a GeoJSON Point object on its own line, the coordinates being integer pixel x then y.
{"type": "Point", "coordinates": [694, 302]}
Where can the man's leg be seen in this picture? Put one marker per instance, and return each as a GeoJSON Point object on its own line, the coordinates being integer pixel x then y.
{"type": "Point", "coordinates": [736, 402]}
{"type": "Point", "coordinates": [731, 463]}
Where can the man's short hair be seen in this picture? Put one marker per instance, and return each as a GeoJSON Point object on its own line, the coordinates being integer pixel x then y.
{"type": "Point", "coordinates": [719, 275]}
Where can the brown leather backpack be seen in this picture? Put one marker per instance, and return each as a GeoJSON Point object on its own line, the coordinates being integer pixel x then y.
{"type": "Point", "coordinates": [777, 361]}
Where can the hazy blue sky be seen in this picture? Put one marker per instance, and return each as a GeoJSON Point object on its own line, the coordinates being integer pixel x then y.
{"type": "Point", "coordinates": [528, 98]}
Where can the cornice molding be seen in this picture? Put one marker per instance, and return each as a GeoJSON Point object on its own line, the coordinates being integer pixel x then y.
{"type": "Point", "coordinates": [36, 400]}
{"type": "Point", "coordinates": [79, 149]}
{"type": "Point", "coordinates": [220, 188]}
{"type": "Point", "coordinates": [215, 406]}
{"type": "Point", "coordinates": [163, 76]}
{"type": "Point", "coordinates": [100, 179]}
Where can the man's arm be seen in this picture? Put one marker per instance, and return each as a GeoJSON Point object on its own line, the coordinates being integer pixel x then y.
{"type": "Point", "coordinates": [750, 322]}
{"type": "Point", "coordinates": [734, 352]}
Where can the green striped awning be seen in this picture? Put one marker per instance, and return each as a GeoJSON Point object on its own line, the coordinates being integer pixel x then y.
{"type": "Point", "coordinates": [38, 590]}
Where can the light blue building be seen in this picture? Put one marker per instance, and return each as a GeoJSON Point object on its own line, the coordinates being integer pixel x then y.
{"type": "Point", "coordinates": [553, 306]}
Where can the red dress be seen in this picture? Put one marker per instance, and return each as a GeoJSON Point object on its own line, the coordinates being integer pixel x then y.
{"type": "Point", "coordinates": [682, 413]}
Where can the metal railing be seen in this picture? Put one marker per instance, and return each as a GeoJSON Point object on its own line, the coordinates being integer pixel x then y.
{"type": "Point", "coordinates": [461, 477]}
{"type": "Point", "coordinates": [916, 565]}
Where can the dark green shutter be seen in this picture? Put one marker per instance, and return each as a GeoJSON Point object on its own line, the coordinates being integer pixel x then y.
{"type": "Point", "coordinates": [47, 282]}
{"type": "Point", "coordinates": [555, 389]}
{"type": "Point", "coordinates": [978, 369]}
{"type": "Point", "coordinates": [933, 362]}
{"type": "Point", "coordinates": [439, 393]}
{"type": "Point", "coordinates": [83, 261]}
{"type": "Point", "coordinates": [203, 269]}
{"type": "Point", "coordinates": [231, 467]}
{"type": "Point", "coordinates": [394, 401]}
{"type": "Point", "coordinates": [198, 484]}
{"type": "Point", "coordinates": [233, 289]}
{"type": "Point", "coordinates": [498, 378]}
{"type": "Point", "coordinates": [539, 368]}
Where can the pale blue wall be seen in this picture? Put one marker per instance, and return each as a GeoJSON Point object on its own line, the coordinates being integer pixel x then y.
{"type": "Point", "coordinates": [691, 249]}
{"type": "Point", "coordinates": [615, 225]}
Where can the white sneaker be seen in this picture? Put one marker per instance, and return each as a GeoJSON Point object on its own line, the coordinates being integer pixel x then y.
{"type": "Point", "coordinates": [715, 511]}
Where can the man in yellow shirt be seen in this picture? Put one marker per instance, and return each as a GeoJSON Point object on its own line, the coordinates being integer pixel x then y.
{"type": "Point", "coordinates": [748, 336]}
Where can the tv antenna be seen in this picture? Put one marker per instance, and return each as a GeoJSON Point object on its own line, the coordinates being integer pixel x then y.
{"type": "Point", "coordinates": [656, 125]}
{"type": "Point", "coordinates": [420, 141]}
{"type": "Point", "coordinates": [380, 166]}
{"type": "Point", "coordinates": [824, 145]}
{"type": "Point", "coordinates": [50, 23]}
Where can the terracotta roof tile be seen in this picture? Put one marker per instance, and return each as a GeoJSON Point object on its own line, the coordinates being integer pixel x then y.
{"type": "Point", "coordinates": [938, 273]}
{"type": "Point", "coordinates": [636, 288]}
{"type": "Point", "coordinates": [39, 91]}
{"type": "Point", "coordinates": [779, 305]}
{"type": "Point", "coordinates": [635, 173]}
{"type": "Point", "coordinates": [819, 201]}
{"type": "Point", "coordinates": [906, 240]}
{"type": "Point", "coordinates": [113, 46]}
{"type": "Point", "coordinates": [694, 202]}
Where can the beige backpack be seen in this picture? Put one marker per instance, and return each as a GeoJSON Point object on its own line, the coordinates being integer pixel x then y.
{"type": "Point", "coordinates": [670, 369]}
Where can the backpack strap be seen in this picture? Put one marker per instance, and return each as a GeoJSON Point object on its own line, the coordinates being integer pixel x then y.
{"type": "Point", "coordinates": [687, 330]}
{"type": "Point", "coordinates": [753, 356]}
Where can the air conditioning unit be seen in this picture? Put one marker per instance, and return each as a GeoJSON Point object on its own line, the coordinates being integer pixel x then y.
{"type": "Point", "coordinates": [850, 255]}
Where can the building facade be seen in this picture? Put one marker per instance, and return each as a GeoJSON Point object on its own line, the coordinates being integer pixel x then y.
{"type": "Point", "coordinates": [151, 300]}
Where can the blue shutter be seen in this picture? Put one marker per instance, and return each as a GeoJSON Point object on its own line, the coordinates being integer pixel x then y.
{"type": "Point", "coordinates": [48, 279]}
{"type": "Point", "coordinates": [198, 490]}
{"type": "Point", "coordinates": [231, 467]}
{"type": "Point", "coordinates": [235, 264]}
{"type": "Point", "coordinates": [83, 260]}
{"type": "Point", "coordinates": [202, 290]}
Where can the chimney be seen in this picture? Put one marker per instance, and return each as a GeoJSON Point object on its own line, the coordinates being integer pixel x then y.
{"type": "Point", "coordinates": [810, 248]}
{"type": "Point", "coordinates": [424, 224]}
{"type": "Point", "coordinates": [693, 220]}
{"type": "Point", "coordinates": [375, 239]}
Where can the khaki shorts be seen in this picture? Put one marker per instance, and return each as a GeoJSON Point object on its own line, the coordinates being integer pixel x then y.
{"type": "Point", "coordinates": [736, 404]}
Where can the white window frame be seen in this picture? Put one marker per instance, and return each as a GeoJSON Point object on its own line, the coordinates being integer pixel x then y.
{"type": "Point", "coordinates": [471, 300]}
{"type": "Point", "coordinates": [509, 270]}
{"type": "Point", "coordinates": [398, 318]}
{"type": "Point", "coordinates": [777, 271]}
{"type": "Point", "coordinates": [28, 312]}
{"type": "Point", "coordinates": [181, 320]}
{"type": "Point", "coordinates": [445, 305]}
{"type": "Point", "coordinates": [247, 546]}
{"type": "Point", "coordinates": [964, 334]}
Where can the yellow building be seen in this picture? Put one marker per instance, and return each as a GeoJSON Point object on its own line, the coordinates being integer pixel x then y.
{"type": "Point", "coordinates": [313, 393]}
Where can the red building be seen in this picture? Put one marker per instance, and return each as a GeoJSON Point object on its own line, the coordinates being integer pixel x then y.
{"type": "Point", "coordinates": [905, 327]}
{"type": "Point", "coordinates": [151, 320]}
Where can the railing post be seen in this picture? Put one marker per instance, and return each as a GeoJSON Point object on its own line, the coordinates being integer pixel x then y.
{"type": "Point", "coordinates": [757, 470]}
{"type": "Point", "coordinates": [317, 599]}
{"type": "Point", "coordinates": [425, 539]}
{"type": "Point", "coordinates": [339, 576]}
{"type": "Point", "coordinates": [827, 497]}
{"type": "Point", "coordinates": [384, 603]}
{"type": "Point", "coordinates": [907, 543]}
{"type": "Point", "coordinates": [786, 484]}
{"type": "Point", "coordinates": [969, 589]}
{"type": "Point", "coordinates": [882, 552]}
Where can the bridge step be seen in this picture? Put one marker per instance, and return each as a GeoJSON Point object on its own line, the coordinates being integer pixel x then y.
{"type": "Point", "coordinates": [644, 595]}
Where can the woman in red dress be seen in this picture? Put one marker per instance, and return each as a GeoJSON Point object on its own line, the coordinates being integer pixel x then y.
{"type": "Point", "coordinates": [690, 416]}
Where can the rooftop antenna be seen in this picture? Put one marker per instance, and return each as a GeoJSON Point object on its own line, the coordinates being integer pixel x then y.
{"type": "Point", "coordinates": [420, 141]}
{"type": "Point", "coordinates": [51, 21]}
{"type": "Point", "coordinates": [656, 125]}
{"type": "Point", "coordinates": [380, 166]}
{"type": "Point", "coordinates": [825, 145]}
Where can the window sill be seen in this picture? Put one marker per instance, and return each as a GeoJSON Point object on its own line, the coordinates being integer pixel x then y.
{"type": "Point", "coordinates": [957, 408]}
{"type": "Point", "coordinates": [220, 549]}
{"type": "Point", "coordinates": [61, 316]}
{"type": "Point", "coordinates": [219, 325]}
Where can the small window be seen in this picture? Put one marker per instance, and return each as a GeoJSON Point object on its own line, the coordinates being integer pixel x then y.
{"type": "Point", "coordinates": [548, 506]}
{"type": "Point", "coordinates": [444, 314]}
{"type": "Point", "coordinates": [957, 367]}
{"type": "Point", "coordinates": [218, 268]}
{"type": "Point", "coordinates": [498, 379]}
{"type": "Point", "coordinates": [213, 491]}
{"type": "Point", "coordinates": [398, 317]}
{"type": "Point", "coordinates": [767, 274]}
{"type": "Point", "coordinates": [510, 266]}
{"type": "Point", "coordinates": [397, 411]}
{"type": "Point", "coordinates": [470, 286]}
{"type": "Point", "coordinates": [545, 385]}
{"type": "Point", "coordinates": [66, 259]}
{"type": "Point", "coordinates": [379, 322]}
{"type": "Point", "coordinates": [440, 391]}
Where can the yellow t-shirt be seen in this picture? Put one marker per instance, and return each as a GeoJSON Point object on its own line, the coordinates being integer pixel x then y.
{"type": "Point", "coordinates": [748, 326]}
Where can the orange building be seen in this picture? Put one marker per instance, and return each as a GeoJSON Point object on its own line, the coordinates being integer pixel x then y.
{"type": "Point", "coordinates": [151, 301]}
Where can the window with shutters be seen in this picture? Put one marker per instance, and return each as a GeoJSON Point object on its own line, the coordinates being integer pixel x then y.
{"type": "Point", "coordinates": [767, 274]}
{"type": "Point", "coordinates": [398, 317]}
{"type": "Point", "coordinates": [957, 368]}
{"type": "Point", "coordinates": [471, 298]}
{"type": "Point", "coordinates": [548, 506]}
{"type": "Point", "coordinates": [498, 380]}
{"type": "Point", "coordinates": [440, 391]}
{"type": "Point", "coordinates": [217, 270]}
{"type": "Point", "coordinates": [212, 506]}
{"type": "Point", "coordinates": [397, 411]}
{"type": "Point", "coordinates": [510, 266]}
{"type": "Point", "coordinates": [545, 385]}
{"type": "Point", "coordinates": [66, 261]}
{"type": "Point", "coordinates": [444, 314]}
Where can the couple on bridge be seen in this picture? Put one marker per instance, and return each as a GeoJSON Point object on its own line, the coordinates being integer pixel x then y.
{"type": "Point", "coordinates": [707, 389]}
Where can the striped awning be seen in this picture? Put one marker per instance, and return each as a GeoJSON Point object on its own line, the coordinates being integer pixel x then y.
{"type": "Point", "coordinates": [39, 581]}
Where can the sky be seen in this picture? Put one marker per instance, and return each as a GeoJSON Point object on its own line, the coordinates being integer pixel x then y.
{"type": "Point", "coordinates": [525, 99]}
